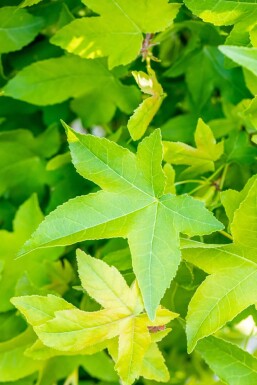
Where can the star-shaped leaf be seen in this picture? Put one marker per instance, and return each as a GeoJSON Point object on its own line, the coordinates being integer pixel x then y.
{"type": "Point", "coordinates": [132, 205]}
{"type": "Point", "coordinates": [202, 158]}
{"type": "Point", "coordinates": [120, 40]}
{"type": "Point", "coordinates": [59, 325]}
{"type": "Point", "coordinates": [231, 285]}
{"type": "Point", "coordinates": [239, 13]}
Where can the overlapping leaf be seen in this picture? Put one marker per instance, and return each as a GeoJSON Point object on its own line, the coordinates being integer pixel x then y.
{"type": "Point", "coordinates": [201, 158]}
{"type": "Point", "coordinates": [244, 56]}
{"type": "Point", "coordinates": [20, 151]}
{"type": "Point", "coordinates": [132, 204]}
{"type": "Point", "coordinates": [71, 76]}
{"type": "Point", "coordinates": [59, 325]}
{"type": "Point", "coordinates": [231, 285]}
{"type": "Point", "coordinates": [239, 13]}
{"type": "Point", "coordinates": [120, 40]}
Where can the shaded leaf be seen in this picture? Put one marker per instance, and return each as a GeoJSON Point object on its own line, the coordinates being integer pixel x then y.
{"type": "Point", "coordinates": [17, 28]}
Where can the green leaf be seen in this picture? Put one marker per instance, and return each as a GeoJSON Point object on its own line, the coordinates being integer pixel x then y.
{"type": "Point", "coordinates": [70, 76]}
{"type": "Point", "coordinates": [20, 150]}
{"type": "Point", "coordinates": [61, 326]}
{"type": "Point", "coordinates": [244, 56]}
{"type": "Point", "coordinates": [201, 158]}
{"type": "Point", "coordinates": [240, 13]}
{"type": "Point", "coordinates": [29, 3]}
{"type": "Point", "coordinates": [13, 364]}
{"type": "Point", "coordinates": [231, 199]}
{"type": "Point", "coordinates": [203, 85]}
{"type": "Point", "coordinates": [233, 365]}
{"type": "Point", "coordinates": [120, 40]}
{"type": "Point", "coordinates": [132, 205]}
{"type": "Point", "coordinates": [230, 287]}
{"type": "Point", "coordinates": [143, 115]}
{"type": "Point", "coordinates": [100, 366]}
{"type": "Point", "coordinates": [17, 28]}
{"type": "Point", "coordinates": [26, 220]}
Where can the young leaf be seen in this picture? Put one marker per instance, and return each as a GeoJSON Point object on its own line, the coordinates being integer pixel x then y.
{"type": "Point", "coordinates": [201, 158]}
{"type": "Point", "coordinates": [233, 365]}
{"type": "Point", "coordinates": [69, 329]}
{"type": "Point", "coordinates": [132, 205]}
{"type": "Point", "coordinates": [143, 115]}
{"type": "Point", "coordinates": [17, 28]}
{"type": "Point", "coordinates": [97, 277]}
{"type": "Point", "coordinates": [153, 367]}
{"type": "Point", "coordinates": [120, 40]}
{"type": "Point", "coordinates": [230, 287]}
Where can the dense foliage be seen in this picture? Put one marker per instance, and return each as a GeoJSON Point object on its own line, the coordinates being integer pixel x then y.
{"type": "Point", "coordinates": [131, 126]}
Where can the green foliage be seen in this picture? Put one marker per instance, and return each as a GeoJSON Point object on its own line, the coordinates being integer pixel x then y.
{"type": "Point", "coordinates": [63, 327]}
{"type": "Point", "coordinates": [120, 40]}
{"type": "Point", "coordinates": [155, 178]}
{"type": "Point", "coordinates": [132, 205]}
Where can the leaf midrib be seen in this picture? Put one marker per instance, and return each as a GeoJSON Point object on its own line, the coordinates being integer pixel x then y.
{"type": "Point", "coordinates": [216, 304]}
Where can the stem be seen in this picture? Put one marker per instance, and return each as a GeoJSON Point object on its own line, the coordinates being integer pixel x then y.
{"type": "Point", "coordinates": [227, 235]}
{"type": "Point", "coordinates": [208, 180]}
{"type": "Point", "coordinates": [223, 177]}
{"type": "Point", "coordinates": [190, 181]}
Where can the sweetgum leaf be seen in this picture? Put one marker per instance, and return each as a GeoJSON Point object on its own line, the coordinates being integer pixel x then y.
{"type": "Point", "coordinates": [132, 205]}
{"type": "Point", "coordinates": [17, 28]}
{"type": "Point", "coordinates": [66, 77]}
{"type": "Point", "coordinates": [153, 366]}
{"type": "Point", "coordinates": [29, 3]}
{"type": "Point", "coordinates": [26, 220]}
{"type": "Point", "coordinates": [230, 287]}
{"type": "Point", "coordinates": [120, 40]}
{"type": "Point", "coordinates": [143, 115]}
{"type": "Point", "coordinates": [97, 277]}
{"type": "Point", "coordinates": [226, 359]}
{"type": "Point", "coordinates": [244, 56]}
{"type": "Point", "coordinates": [201, 158]}
{"type": "Point", "coordinates": [61, 326]}
{"type": "Point", "coordinates": [239, 13]}
{"type": "Point", "coordinates": [13, 363]}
